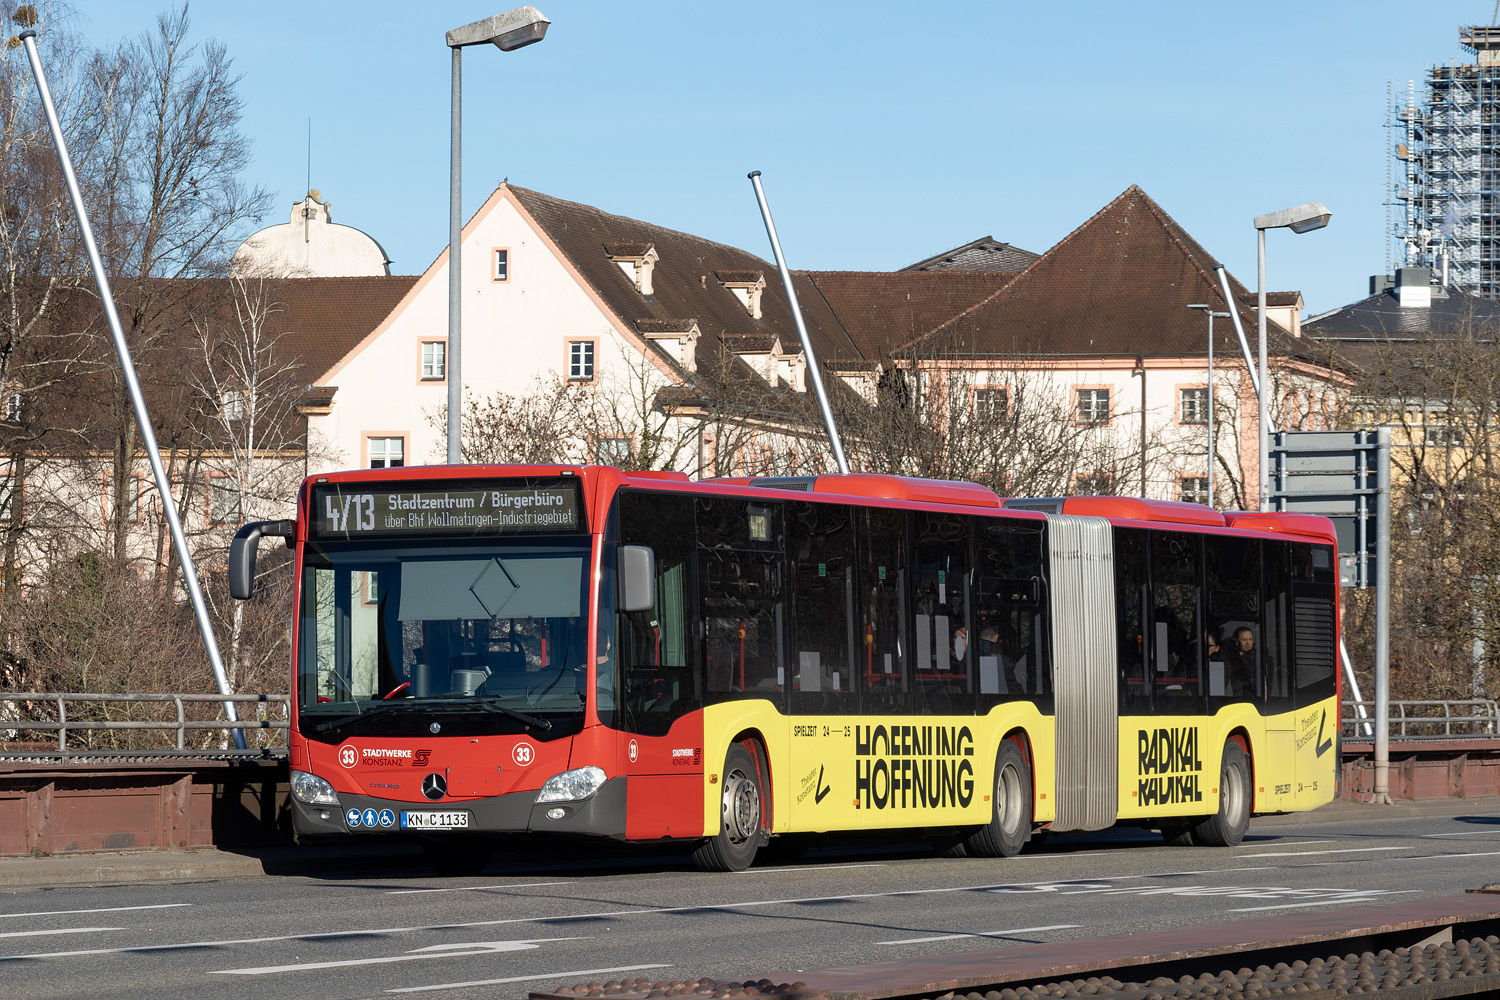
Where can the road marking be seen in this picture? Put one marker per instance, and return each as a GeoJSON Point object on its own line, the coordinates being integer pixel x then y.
{"type": "Point", "coordinates": [984, 934]}
{"type": "Point", "coordinates": [523, 979]}
{"type": "Point", "coordinates": [1460, 833]}
{"type": "Point", "coordinates": [638, 911]}
{"type": "Point", "coordinates": [1473, 854]}
{"type": "Point", "coordinates": [456, 950]}
{"type": "Point", "coordinates": [1342, 850]}
{"type": "Point", "coordinates": [102, 909]}
{"type": "Point", "coordinates": [809, 868]}
{"type": "Point", "coordinates": [65, 930]}
{"type": "Point", "coordinates": [1323, 902]}
{"type": "Point", "coordinates": [473, 888]}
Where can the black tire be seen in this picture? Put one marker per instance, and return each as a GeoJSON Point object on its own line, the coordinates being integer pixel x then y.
{"type": "Point", "coordinates": [456, 858]}
{"type": "Point", "coordinates": [1010, 824]}
{"type": "Point", "coordinates": [1227, 827]}
{"type": "Point", "coordinates": [741, 816]}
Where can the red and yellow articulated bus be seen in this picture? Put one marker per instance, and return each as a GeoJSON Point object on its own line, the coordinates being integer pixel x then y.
{"type": "Point", "coordinates": [555, 650]}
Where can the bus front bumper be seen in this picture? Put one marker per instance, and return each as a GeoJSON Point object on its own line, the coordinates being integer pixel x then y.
{"type": "Point", "coordinates": [600, 815]}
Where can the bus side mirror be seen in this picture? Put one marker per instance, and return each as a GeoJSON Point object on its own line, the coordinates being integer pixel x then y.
{"type": "Point", "coordinates": [242, 553]}
{"type": "Point", "coordinates": [635, 586]}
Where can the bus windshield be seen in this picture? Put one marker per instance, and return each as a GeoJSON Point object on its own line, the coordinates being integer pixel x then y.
{"type": "Point", "coordinates": [471, 638]}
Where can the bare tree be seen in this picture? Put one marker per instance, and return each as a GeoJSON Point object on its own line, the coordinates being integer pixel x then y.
{"type": "Point", "coordinates": [1441, 396]}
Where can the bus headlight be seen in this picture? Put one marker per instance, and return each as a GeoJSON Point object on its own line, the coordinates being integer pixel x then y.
{"type": "Point", "coordinates": [313, 790]}
{"type": "Point", "coordinates": [570, 786]}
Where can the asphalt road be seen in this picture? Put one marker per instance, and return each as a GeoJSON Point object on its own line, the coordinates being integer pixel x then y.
{"type": "Point", "coordinates": [535, 921]}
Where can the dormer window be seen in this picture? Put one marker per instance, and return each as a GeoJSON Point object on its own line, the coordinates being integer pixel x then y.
{"type": "Point", "coordinates": [745, 286]}
{"type": "Point", "coordinates": [761, 351]}
{"type": "Point", "coordinates": [678, 337]}
{"type": "Point", "coordinates": [232, 406]}
{"type": "Point", "coordinates": [636, 261]}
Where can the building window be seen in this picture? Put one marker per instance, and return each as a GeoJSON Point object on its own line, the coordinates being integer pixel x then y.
{"type": "Point", "coordinates": [434, 360]}
{"type": "Point", "coordinates": [1093, 406]}
{"type": "Point", "coordinates": [612, 451]}
{"type": "Point", "coordinates": [1194, 406]}
{"type": "Point", "coordinates": [1442, 435]}
{"type": "Point", "coordinates": [223, 500]}
{"type": "Point", "coordinates": [992, 404]}
{"type": "Point", "coordinates": [1193, 489]}
{"type": "Point", "coordinates": [502, 265]}
{"type": "Point", "coordinates": [387, 452]}
{"type": "Point", "coordinates": [580, 359]}
{"type": "Point", "coordinates": [13, 406]}
{"type": "Point", "coordinates": [232, 406]}
{"type": "Point", "coordinates": [8, 496]}
{"type": "Point", "coordinates": [134, 486]}
{"type": "Point", "coordinates": [1098, 484]}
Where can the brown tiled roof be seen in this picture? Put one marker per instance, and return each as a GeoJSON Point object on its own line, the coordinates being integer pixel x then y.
{"type": "Point", "coordinates": [665, 325]}
{"type": "Point", "coordinates": [1285, 299]}
{"type": "Point", "coordinates": [325, 318]}
{"type": "Point", "coordinates": [1118, 285]}
{"type": "Point", "coordinates": [984, 254]}
{"type": "Point", "coordinates": [756, 343]}
{"type": "Point", "coordinates": [682, 282]}
{"type": "Point", "coordinates": [748, 277]}
{"type": "Point", "coordinates": [884, 310]}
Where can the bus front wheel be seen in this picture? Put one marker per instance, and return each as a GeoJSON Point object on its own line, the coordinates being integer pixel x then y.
{"type": "Point", "coordinates": [1227, 827]}
{"type": "Point", "coordinates": [1010, 825]}
{"type": "Point", "coordinates": [733, 848]}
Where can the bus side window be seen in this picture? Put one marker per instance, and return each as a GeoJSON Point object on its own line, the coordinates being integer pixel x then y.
{"type": "Point", "coordinates": [741, 572]}
{"type": "Point", "coordinates": [1010, 619]}
{"type": "Point", "coordinates": [880, 627]}
{"type": "Point", "coordinates": [1176, 627]}
{"type": "Point", "coordinates": [652, 649]}
{"type": "Point", "coordinates": [1131, 594]}
{"type": "Point", "coordinates": [821, 547]}
{"type": "Point", "coordinates": [1235, 623]}
{"type": "Point", "coordinates": [1276, 660]}
{"type": "Point", "coordinates": [941, 674]}
{"type": "Point", "coordinates": [1314, 592]}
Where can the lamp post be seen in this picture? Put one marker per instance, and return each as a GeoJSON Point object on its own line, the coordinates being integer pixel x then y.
{"type": "Point", "coordinates": [1300, 219]}
{"type": "Point", "coordinates": [512, 30]}
{"type": "Point", "coordinates": [1208, 310]}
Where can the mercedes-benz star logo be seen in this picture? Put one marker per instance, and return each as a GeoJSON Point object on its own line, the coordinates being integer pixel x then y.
{"type": "Point", "coordinates": [434, 787]}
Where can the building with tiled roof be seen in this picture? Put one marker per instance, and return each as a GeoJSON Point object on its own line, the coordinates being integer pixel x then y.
{"type": "Point", "coordinates": [983, 254]}
{"type": "Point", "coordinates": [567, 295]}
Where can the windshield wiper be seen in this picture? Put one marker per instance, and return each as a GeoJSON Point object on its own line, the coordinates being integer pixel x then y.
{"type": "Point", "coordinates": [374, 712]}
{"type": "Point", "coordinates": [417, 705]}
{"type": "Point", "coordinates": [529, 721]}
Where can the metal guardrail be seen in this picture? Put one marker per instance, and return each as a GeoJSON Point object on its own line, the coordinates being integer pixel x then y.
{"type": "Point", "coordinates": [64, 726]}
{"type": "Point", "coordinates": [1430, 719]}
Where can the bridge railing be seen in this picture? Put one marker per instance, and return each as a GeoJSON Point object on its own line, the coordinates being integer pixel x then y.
{"type": "Point", "coordinates": [178, 714]}
{"type": "Point", "coordinates": [1410, 719]}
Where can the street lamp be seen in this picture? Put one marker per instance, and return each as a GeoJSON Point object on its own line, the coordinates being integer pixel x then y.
{"type": "Point", "coordinates": [1208, 310]}
{"type": "Point", "coordinates": [1300, 219]}
{"type": "Point", "coordinates": [512, 30]}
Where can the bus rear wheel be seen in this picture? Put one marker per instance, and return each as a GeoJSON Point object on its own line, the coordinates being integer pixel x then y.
{"type": "Point", "coordinates": [733, 848]}
{"type": "Point", "coordinates": [1010, 825]}
{"type": "Point", "coordinates": [1227, 827]}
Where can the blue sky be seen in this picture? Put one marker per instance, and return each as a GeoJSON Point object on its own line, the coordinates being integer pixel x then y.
{"type": "Point", "coordinates": [886, 131]}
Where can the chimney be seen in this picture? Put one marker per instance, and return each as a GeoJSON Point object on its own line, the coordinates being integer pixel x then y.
{"type": "Point", "coordinates": [1414, 287]}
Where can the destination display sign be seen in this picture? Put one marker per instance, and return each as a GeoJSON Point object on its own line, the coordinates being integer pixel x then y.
{"type": "Point", "coordinates": [369, 510]}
